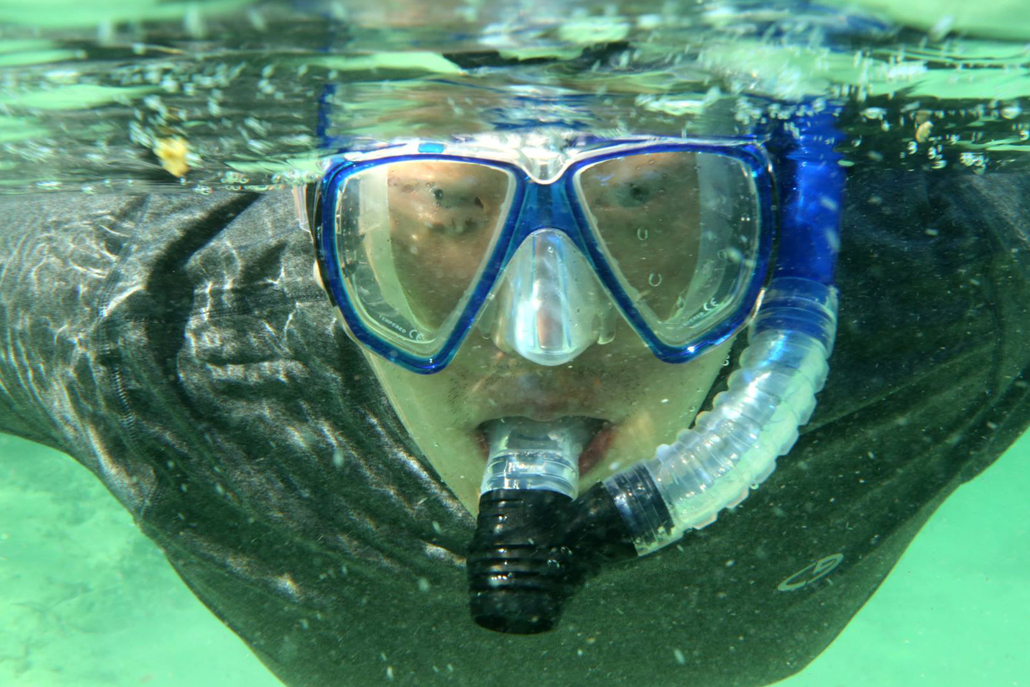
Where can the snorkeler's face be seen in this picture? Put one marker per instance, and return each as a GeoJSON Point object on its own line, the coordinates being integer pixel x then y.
{"type": "Point", "coordinates": [644, 401]}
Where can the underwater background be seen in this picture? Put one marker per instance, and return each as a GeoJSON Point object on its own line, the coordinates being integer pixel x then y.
{"type": "Point", "coordinates": [115, 96]}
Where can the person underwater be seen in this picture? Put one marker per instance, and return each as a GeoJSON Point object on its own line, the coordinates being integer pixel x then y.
{"type": "Point", "coordinates": [507, 423]}
{"type": "Point", "coordinates": [553, 306]}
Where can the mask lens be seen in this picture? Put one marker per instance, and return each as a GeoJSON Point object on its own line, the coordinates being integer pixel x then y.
{"type": "Point", "coordinates": [412, 238]}
{"type": "Point", "coordinates": [681, 231]}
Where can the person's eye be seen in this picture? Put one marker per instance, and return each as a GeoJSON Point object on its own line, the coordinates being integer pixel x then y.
{"type": "Point", "coordinates": [633, 195]}
{"type": "Point", "coordinates": [456, 200]}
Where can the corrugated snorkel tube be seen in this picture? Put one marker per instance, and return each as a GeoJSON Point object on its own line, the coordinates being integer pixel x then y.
{"type": "Point", "coordinates": [733, 447]}
{"type": "Point", "coordinates": [535, 545]}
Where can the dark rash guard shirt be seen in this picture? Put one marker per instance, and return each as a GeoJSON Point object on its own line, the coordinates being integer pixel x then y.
{"type": "Point", "coordinates": [177, 346]}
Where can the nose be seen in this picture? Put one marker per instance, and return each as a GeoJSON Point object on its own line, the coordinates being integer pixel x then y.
{"type": "Point", "coordinates": [550, 305]}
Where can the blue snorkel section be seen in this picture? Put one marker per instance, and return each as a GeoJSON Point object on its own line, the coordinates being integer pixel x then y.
{"type": "Point", "coordinates": [322, 125]}
{"type": "Point", "coordinates": [812, 198]}
{"type": "Point", "coordinates": [809, 241]}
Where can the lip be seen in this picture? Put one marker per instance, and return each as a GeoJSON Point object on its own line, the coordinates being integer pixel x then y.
{"type": "Point", "coordinates": [592, 455]}
{"type": "Point", "coordinates": [595, 451]}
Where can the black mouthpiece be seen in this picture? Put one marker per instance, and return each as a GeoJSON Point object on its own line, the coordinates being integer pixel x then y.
{"type": "Point", "coordinates": [533, 549]}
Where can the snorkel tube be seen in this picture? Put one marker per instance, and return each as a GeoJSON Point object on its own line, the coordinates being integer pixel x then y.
{"type": "Point", "coordinates": [535, 545]}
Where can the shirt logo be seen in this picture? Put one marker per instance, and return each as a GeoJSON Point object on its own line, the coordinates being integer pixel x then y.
{"type": "Point", "coordinates": [810, 573]}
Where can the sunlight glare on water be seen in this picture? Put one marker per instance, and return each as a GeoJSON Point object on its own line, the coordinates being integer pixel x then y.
{"type": "Point", "coordinates": [242, 95]}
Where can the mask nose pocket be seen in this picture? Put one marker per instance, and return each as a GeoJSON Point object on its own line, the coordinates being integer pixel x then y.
{"type": "Point", "coordinates": [550, 306]}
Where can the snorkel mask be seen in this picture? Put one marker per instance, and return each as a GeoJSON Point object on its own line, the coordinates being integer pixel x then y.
{"type": "Point", "coordinates": [540, 262]}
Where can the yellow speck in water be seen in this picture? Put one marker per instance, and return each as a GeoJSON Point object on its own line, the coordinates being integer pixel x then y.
{"type": "Point", "coordinates": [923, 131]}
{"type": "Point", "coordinates": [172, 153]}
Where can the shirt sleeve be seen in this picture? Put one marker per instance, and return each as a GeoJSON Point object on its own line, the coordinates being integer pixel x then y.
{"type": "Point", "coordinates": [59, 251]}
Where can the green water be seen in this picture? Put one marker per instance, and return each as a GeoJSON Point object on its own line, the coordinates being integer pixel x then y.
{"type": "Point", "coordinates": [88, 90]}
{"type": "Point", "coordinates": [90, 602]}
{"type": "Point", "coordinates": [252, 95]}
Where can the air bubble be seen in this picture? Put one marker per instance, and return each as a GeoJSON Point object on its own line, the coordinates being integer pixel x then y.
{"type": "Point", "coordinates": [654, 279]}
{"type": "Point", "coordinates": [733, 255]}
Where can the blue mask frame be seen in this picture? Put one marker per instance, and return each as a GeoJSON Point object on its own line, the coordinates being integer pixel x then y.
{"type": "Point", "coordinates": [807, 230]}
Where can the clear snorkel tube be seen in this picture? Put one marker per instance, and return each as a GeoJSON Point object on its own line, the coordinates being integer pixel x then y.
{"type": "Point", "coordinates": [733, 448]}
{"type": "Point", "coordinates": [534, 546]}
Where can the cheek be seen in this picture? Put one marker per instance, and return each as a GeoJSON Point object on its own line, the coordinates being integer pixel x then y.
{"type": "Point", "coordinates": [670, 395]}
{"type": "Point", "coordinates": [422, 401]}
{"type": "Point", "coordinates": [436, 274]}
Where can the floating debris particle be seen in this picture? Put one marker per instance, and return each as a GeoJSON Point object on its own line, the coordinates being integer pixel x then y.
{"type": "Point", "coordinates": [923, 131]}
{"type": "Point", "coordinates": [257, 20]}
{"type": "Point", "coordinates": [1011, 111]}
{"type": "Point", "coordinates": [193, 23]}
{"type": "Point", "coordinates": [942, 28]}
{"type": "Point", "coordinates": [172, 152]}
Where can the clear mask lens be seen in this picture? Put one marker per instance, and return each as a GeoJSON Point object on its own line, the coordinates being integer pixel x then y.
{"type": "Point", "coordinates": [413, 237]}
{"type": "Point", "coordinates": [681, 232]}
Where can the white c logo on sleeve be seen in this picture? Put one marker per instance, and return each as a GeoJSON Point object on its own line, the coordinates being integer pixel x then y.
{"type": "Point", "coordinates": [810, 573]}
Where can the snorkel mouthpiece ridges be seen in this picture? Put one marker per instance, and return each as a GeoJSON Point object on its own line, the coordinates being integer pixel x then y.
{"type": "Point", "coordinates": [533, 549]}
{"type": "Point", "coordinates": [516, 584]}
{"type": "Point", "coordinates": [533, 544]}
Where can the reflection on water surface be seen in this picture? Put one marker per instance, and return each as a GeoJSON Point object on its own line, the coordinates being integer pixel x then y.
{"type": "Point", "coordinates": [247, 95]}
